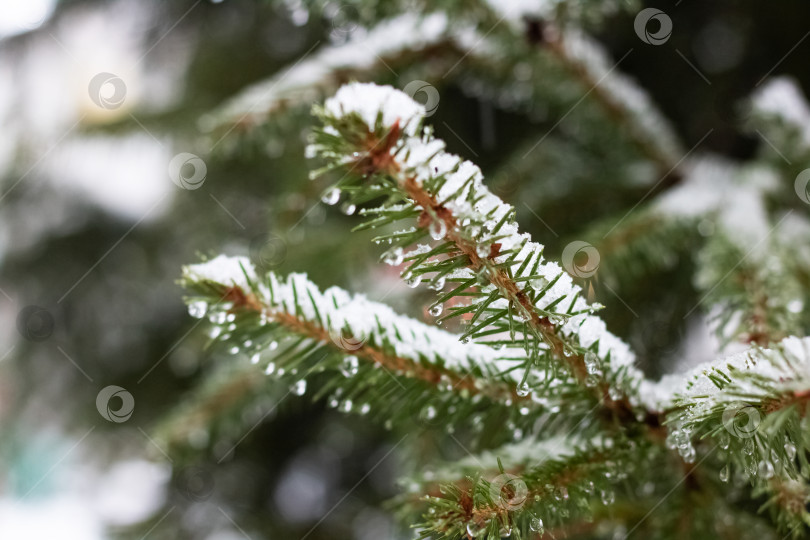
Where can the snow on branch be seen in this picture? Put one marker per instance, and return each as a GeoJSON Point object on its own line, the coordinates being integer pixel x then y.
{"type": "Point", "coordinates": [781, 105]}
{"type": "Point", "coordinates": [365, 53]}
{"type": "Point", "coordinates": [375, 133]}
{"type": "Point", "coordinates": [754, 401]}
{"type": "Point", "coordinates": [377, 348]}
{"type": "Point", "coordinates": [529, 490]}
{"type": "Point", "coordinates": [621, 98]}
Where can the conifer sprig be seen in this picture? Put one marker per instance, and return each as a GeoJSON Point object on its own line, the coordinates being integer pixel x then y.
{"type": "Point", "coordinates": [389, 363]}
{"type": "Point", "coordinates": [375, 134]}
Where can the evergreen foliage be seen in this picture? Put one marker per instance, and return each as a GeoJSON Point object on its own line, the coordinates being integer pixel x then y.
{"type": "Point", "coordinates": [573, 440]}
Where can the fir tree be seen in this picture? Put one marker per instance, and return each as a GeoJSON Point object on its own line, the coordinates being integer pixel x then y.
{"type": "Point", "coordinates": [572, 440]}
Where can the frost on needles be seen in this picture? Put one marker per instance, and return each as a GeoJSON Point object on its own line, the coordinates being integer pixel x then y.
{"type": "Point", "coordinates": [575, 434]}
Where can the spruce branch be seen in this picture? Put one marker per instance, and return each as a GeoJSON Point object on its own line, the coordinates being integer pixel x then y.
{"type": "Point", "coordinates": [523, 494]}
{"type": "Point", "coordinates": [389, 45]}
{"type": "Point", "coordinates": [391, 360]}
{"type": "Point", "coordinates": [374, 134]}
{"type": "Point", "coordinates": [622, 100]}
{"type": "Point", "coordinates": [754, 406]}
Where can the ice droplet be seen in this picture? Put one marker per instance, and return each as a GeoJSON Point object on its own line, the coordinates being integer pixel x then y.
{"type": "Point", "coordinates": [536, 525]}
{"type": "Point", "coordinates": [300, 388]}
{"type": "Point", "coordinates": [350, 366]}
{"type": "Point", "coordinates": [765, 469]}
{"type": "Point", "coordinates": [331, 197]}
{"type": "Point", "coordinates": [393, 257]}
{"type": "Point", "coordinates": [437, 229]}
{"type": "Point", "coordinates": [198, 309]}
{"type": "Point", "coordinates": [522, 389]}
{"type": "Point", "coordinates": [348, 208]}
{"type": "Point", "coordinates": [436, 310]}
{"type": "Point", "coordinates": [725, 473]}
{"type": "Point", "coordinates": [414, 281]}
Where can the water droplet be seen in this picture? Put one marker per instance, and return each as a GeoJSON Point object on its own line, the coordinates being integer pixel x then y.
{"type": "Point", "coordinates": [607, 496]}
{"type": "Point", "coordinates": [436, 310]}
{"type": "Point", "coordinates": [474, 530]}
{"type": "Point", "coordinates": [346, 406]}
{"type": "Point", "coordinates": [255, 358]}
{"type": "Point", "coordinates": [724, 439]}
{"type": "Point", "coordinates": [615, 393]}
{"type": "Point", "coordinates": [331, 197]}
{"type": "Point", "coordinates": [748, 446]}
{"type": "Point", "coordinates": [437, 284]}
{"type": "Point", "coordinates": [365, 408]}
{"type": "Point", "coordinates": [765, 469]}
{"type": "Point", "coordinates": [348, 208]}
{"type": "Point", "coordinates": [198, 309]}
{"type": "Point", "coordinates": [524, 411]}
{"type": "Point", "coordinates": [437, 229]}
{"type": "Point", "coordinates": [414, 282]}
{"type": "Point", "coordinates": [523, 389]}
{"type": "Point", "coordinates": [273, 345]}
{"type": "Point", "coordinates": [350, 366]}
{"type": "Point", "coordinates": [231, 317]}
{"type": "Point", "coordinates": [725, 473]}
{"type": "Point", "coordinates": [234, 350]}
{"type": "Point", "coordinates": [429, 412]}
{"type": "Point", "coordinates": [689, 454]}
{"type": "Point", "coordinates": [271, 367]}
{"type": "Point", "coordinates": [536, 525]}
{"type": "Point", "coordinates": [790, 450]}
{"type": "Point", "coordinates": [299, 388]}
{"type": "Point", "coordinates": [393, 257]}
{"type": "Point", "coordinates": [482, 250]}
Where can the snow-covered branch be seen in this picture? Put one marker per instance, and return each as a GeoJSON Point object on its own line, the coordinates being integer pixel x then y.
{"type": "Point", "coordinates": [375, 132]}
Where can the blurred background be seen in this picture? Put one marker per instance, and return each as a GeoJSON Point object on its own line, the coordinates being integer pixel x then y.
{"type": "Point", "coordinates": [96, 100]}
